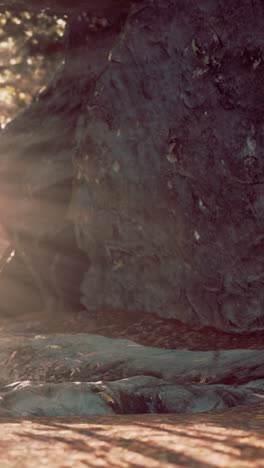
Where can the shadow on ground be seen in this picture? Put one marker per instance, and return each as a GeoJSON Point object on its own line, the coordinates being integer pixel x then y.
{"type": "Point", "coordinates": [229, 438]}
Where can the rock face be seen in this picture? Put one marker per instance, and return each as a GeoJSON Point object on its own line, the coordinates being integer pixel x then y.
{"type": "Point", "coordinates": [60, 374]}
{"type": "Point", "coordinates": [150, 145]}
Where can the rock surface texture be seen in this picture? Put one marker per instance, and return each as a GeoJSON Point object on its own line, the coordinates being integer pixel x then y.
{"type": "Point", "coordinates": [135, 181]}
{"type": "Point", "coordinates": [58, 375]}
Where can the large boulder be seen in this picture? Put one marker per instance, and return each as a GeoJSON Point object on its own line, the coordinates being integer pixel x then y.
{"type": "Point", "coordinates": [171, 168]}
{"type": "Point", "coordinates": [148, 144]}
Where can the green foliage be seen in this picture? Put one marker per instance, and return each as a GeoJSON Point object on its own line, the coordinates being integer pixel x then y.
{"type": "Point", "coordinates": [30, 51]}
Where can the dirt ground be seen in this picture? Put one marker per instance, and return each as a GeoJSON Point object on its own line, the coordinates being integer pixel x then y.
{"type": "Point", "coordinates": [145, 329]}
{"type": "Point", "coordinates": [226, 439]}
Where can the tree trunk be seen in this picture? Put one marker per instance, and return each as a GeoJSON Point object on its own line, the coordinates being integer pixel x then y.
{"type": "Point", "coordinates": [148, 144]}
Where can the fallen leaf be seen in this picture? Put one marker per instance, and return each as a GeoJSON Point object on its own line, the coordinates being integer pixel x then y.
{"type": "Point", "coordinates": [195, 47]}
{"type": "Point", "coordinates": [202, 380]}
{"type": "Point", "coordinates": [53, 346]}
{"type": "Point", "coordinates": [117, 265]}
{"type": "Point", "coordinates": [71, 359]}
{"type": "Point", "coordinates": [85, 355]}
{"type": "Point", "coordinates": [259, 395]}
{"type": "Point", "coordinates": [106, 397]}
